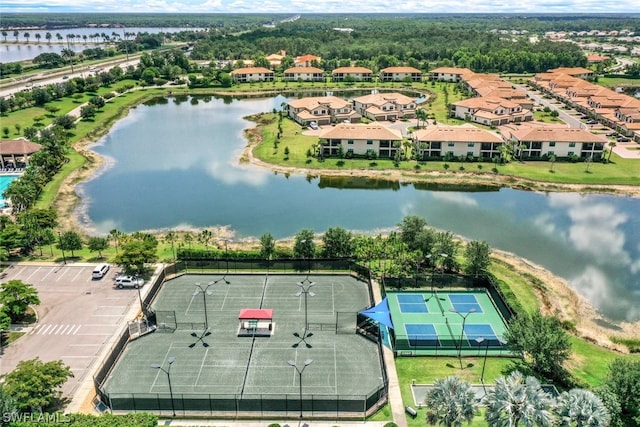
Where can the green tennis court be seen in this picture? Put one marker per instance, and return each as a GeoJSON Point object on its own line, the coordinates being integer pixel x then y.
{"type": "Point", "coordinates": [216, 370]}
{"type": "Point", "coordinates": [431, 322]}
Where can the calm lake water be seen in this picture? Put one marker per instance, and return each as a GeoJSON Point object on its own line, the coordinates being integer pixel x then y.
{"type": "Point", "coordinates": [174, 164]}
{"type": "Point", "coordinates": [14, 52]}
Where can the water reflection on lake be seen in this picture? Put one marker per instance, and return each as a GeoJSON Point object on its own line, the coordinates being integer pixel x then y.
{"type": "Point", "coordinates": [176, 165]}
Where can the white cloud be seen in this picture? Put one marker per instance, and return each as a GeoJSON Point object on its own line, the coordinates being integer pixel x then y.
{"type": "Point", "coordinates": [325, 6]}
{"type": "Point", "coordinates": [591, 222]}
{"type": "Point", "coordinates": [455, 198]}
{"type": "Point", "coordinates": [230, 173]}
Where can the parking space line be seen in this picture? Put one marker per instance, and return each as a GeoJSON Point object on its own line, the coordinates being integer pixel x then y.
{"type": "Point", "coordinates": [34, 272]}
{"type": "Point", "coordinates": [75, 331]}
{"type": "Point", "coordinates": [85, 345]}
{"type": "Point", "coordinates": [64, 270]}
{"type": "Point", "coordinates": [50, 270]}
{"type": "Point", "coordinates": [80, 270]}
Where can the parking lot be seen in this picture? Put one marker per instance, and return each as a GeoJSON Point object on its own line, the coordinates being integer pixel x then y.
{"type": "Point", "coordinates": [77, 316]}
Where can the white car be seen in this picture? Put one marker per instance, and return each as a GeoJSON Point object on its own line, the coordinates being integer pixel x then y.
{"type": "Point", "coordinates": [129, 282]}
{"type": "Point", "coordinates": [313, 125]}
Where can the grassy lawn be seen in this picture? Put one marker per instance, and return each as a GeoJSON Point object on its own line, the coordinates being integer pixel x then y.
{"type": "Point", "coordinates": [617, 81]}
{"type": "Point", "coordinates": [541, 116]}
{"type": "Point", "coordinates": [425, 370]}
{"type": "Point", "coordinates": [619, 171]}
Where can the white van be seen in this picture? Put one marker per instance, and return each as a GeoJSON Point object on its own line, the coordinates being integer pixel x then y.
{"type": "Point", "coordinates": [100, 271]}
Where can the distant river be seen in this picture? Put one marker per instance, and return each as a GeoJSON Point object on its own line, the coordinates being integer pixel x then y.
{"type": "Point", "coordinates": [175, 164]}
{"type": "Point", "coordinates": [14, 52]}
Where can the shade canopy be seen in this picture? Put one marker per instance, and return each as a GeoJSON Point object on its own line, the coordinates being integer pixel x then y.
{"type": "Point", "coordinates": [380, 313]}
{"type": "Point", "coordinates": [256, 314]}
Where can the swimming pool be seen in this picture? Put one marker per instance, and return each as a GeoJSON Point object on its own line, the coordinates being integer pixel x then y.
{"type": "Point", "coordinates": [5, 180]}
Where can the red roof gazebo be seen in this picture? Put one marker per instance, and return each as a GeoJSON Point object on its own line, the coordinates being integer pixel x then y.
{"type": "Point", "coordinates": [255, 322]}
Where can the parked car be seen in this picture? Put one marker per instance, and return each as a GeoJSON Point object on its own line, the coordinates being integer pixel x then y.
{"type": "Point", "coordinates": [592, 122]}
{"type": "Point", "coordinates": [99, 271]}
{"type": "Point", "coordinates": [129, 282]}
{"type": "Point", "coordinates": [623, 139]}
{"type": "Point", "coordinates": [313, 125]}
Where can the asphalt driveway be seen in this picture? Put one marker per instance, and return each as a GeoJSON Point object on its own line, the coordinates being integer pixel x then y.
{"type": "Point", "coordinates": [76, 318]}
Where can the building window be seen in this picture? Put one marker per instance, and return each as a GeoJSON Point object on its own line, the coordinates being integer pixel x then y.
{"type": "Point", "coordinates": [451, 144]}
{"type": "Point", "coordinates": [369, 142]}
{"type": "Point", "coordinates": [572, 144]}
{"type": "Point", "coordinates": [350, 150]}
{"type": "Point", "coordinates": [350, 142]}
{"type": "Point", "coordinates": [469, 153]}
{"type": "Point", "coordinates": [471, 144]}
{"type": "Point", "coordinates": [570, 153]}
{"type": "Point", "coordinates": [552, 144]}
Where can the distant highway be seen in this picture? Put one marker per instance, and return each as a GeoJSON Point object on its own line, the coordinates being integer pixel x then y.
{"type": "Point", "coordinates": [8, 88]}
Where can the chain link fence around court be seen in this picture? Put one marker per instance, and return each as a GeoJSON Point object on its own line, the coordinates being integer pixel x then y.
{"type": "Point", "coordinates": [343, 406]}
{"type": "Point", "coordinates": [447, 342]}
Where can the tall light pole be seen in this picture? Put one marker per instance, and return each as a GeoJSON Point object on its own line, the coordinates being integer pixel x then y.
{"type": "Point", "coordinates": [205, 291]}
{"type": "Point", "coordinates": [168, 372]}
{"type": "Point", "coordinates": [479, 340]}
{"type": "Point", "coordinates": [305, 288]}
{"type": "Point", "coordinates": [300, 371]}
{"type": "Point", "coordinates": [64, 258]}
{"type": "Point", "coordinates": [464, 319]}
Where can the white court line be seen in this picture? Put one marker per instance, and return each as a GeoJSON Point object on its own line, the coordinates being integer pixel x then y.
{"type": "Point", "coordinates": [189, 306]}
{"type": "Point", "coordinates": [201, 366]}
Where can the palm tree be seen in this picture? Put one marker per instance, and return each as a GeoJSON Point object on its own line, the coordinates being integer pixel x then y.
{"type": "Point", "coordinates": [516, 400]}
{"type": "Point", "coordinates": [581, 408]}
{"type": "Point", "coordinates": [421, 115]}
{"type": "Point", "coordinates": [59, 37]}
{"type": "Point", "coordinates": [4, 35]}
{"type": "Point", "coordinates": [48, 37]}
{"type": "Point", "coordinates": [68, 54]}
{"type": "Point", "coordinates": [187, 238]}
{"type": "Point", "coordinates": [205, 237]}
{"type": "Point", "coordinates": [38, 36]}
{"type": "Point", "coordinates": [171, 237]}
{"type": "Point", "coordinates": [16, 34]}
{"type": "Point", "coordinates": [552, 159]}
{"type": "Point", "coordinates": [612, 145]}
{"type": "Point", "coordinates": [451, 402]}
{"type": "Point", "coordinates": [115, 235]}
{"type": "Point", "coordinates": [26, 36]}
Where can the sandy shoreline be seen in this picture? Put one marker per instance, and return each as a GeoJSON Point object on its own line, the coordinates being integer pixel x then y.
{"type": "Point", "coordinates": [562, 300]}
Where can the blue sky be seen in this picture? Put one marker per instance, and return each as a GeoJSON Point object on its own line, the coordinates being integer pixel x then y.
{"type": "Point", "coordinates": [323, 6]}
